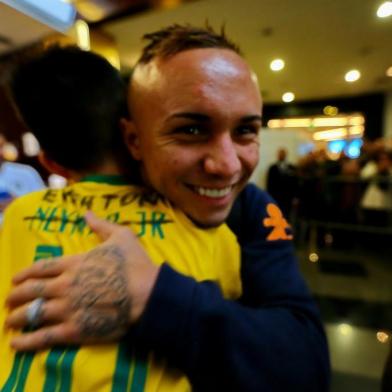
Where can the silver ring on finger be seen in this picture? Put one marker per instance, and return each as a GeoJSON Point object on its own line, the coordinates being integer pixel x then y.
{"type": "Point", "coordinates": [34, 312]}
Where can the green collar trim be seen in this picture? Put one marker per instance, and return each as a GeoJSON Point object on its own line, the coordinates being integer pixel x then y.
{"type": "Point", "coordinates": [112, 179]}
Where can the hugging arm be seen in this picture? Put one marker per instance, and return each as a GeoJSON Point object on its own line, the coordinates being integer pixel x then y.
{"type": "Point", "coordinates": [269, 340]}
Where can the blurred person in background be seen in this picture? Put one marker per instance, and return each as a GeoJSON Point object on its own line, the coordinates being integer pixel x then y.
{"type": "Point", "coordinates": [16, 179]}
{"type": "Point", "coordinates": [282, 182]}
{"type": "Point", "coordinates": [349, 190]}
{"type": "Point", "coordinates": [312, 169]}
{"type": "Point", "coordinates": [369, 156]}
{"type": "Point", "coordinates": [376, 202]}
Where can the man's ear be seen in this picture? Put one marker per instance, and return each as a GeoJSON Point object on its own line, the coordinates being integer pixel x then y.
{"type": "Point", "coordinates": [131, 138]}
{"type": "Point", "coordinates": [53, 167]}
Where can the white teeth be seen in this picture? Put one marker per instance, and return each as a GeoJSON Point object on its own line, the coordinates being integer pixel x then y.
{"type": "Point", "coordinates": [215, 193]}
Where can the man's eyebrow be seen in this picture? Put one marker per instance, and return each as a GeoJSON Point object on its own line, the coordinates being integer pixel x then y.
{"type": "Point", "coordinates": [191, 116]}
{"type": "Point", "coordinates": [203, 117]}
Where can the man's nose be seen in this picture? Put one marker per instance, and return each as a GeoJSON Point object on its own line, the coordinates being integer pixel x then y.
{"type": "Point", "coordinates": [222, 157]}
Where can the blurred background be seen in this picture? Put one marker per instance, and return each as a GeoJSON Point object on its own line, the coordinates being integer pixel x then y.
{"type": "Point", "coordinates": [325, 70]}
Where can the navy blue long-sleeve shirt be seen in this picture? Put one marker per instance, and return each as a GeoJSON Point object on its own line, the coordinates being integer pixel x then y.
{"type": "Point", "coordinates": [269, 340]}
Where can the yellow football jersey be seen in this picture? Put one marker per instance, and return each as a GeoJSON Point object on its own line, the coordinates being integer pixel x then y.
{"type": "Point", "coordinates": [50, 223]}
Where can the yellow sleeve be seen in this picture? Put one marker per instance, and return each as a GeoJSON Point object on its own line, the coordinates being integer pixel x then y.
{"type": "Point", "coordinates": [15, 248]}
{"type": "Point", "coordinates": [6, 241]}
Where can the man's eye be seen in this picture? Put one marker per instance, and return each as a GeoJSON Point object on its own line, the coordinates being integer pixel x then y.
{"type": "Point", "coordinates": [248, 130]}
{"type": "Point", "coordinates": [190, 130]}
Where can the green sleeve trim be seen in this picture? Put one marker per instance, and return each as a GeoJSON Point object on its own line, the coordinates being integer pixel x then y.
{"type": "Point", "coordinates": [112, 179]}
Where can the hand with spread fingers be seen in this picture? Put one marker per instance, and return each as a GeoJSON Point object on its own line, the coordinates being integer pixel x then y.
{"type": "Point", "coordinates": [82, 298]}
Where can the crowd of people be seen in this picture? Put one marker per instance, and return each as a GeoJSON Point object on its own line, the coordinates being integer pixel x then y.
{"type": "Point", "coordinates": [344, 190]}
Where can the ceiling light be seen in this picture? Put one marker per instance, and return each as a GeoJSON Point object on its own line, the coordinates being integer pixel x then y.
{"type": "Point", "coordinates": [331, 134]}
{"type": "Point", "coordinates": [290, 123]}
{"type": "Point", "coordinates": [288, 97]}
{"type": "Point", "coordinates": [297, 123]}
{"type": "Point", "coordinates": [356, 120]}
{"type": "Point", "coordinates": [382, 337]}
{"type": "Point", "coordinates": [277, 65]}
{"type": "Point", "coordinates": [329, 121]}
{"type": "Point", "coordinates": [389, 72]}
{"type": "Point", "coordinates": [314, 257]}
{"type": "Point", "coordinates": [356, 130]}
{"type": "Point", "coordinates": [82, 34]}
{"type": "Point", "coordinates": [54, 13]}
{"type": "Point", "coordinates": [330, 110]}
{"type": "Point", "coordinates": [385, 9]}
{"type": "Point", "coordinates": [275, 123]}
{"type": "Point", "coordinates": [352, 76]}
{"type": "Point", "coordinates": [30, 144]}
{"type": "Point", "coordinates": [345, 329]}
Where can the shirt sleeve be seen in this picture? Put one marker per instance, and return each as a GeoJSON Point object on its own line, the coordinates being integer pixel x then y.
{"type": "Point", "coordinates": [270, 340]}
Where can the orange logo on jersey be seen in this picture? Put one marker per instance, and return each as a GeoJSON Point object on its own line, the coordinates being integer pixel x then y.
{"type": "Point", "coordinates": [277, 222]}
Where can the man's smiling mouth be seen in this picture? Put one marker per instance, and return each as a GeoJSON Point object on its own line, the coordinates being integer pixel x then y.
{"type": "Point", "coordinates": [212, 192]}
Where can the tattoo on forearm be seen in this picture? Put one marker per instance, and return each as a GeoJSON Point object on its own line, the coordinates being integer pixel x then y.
{"type": "Point", "coordinates": [100, 294]}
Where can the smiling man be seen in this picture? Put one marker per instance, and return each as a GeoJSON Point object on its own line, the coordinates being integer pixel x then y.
{"type": "Point", "coordinates": [195, 113]}
{"type": "Point", "coordinates": [195, 122]}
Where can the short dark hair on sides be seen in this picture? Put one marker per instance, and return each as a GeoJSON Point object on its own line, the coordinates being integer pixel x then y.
{"type": "Point", "coordinates": [72, 100]}
{"type": "Point", "coordinates": [178, 38]}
